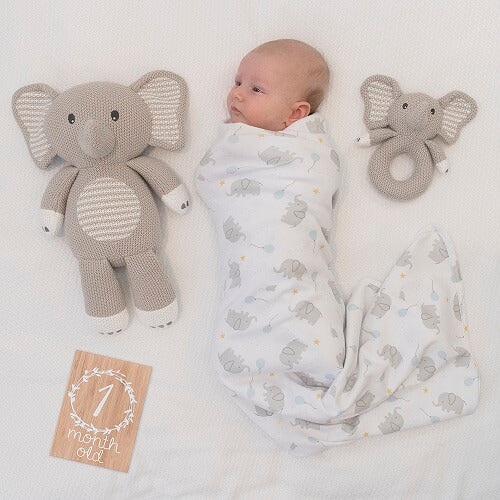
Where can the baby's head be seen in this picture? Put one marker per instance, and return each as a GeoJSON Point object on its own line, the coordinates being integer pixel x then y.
{"type": "Point", "coordinates": [278, 83]}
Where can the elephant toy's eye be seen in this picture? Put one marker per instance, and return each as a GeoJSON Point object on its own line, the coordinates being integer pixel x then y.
{"type": "Point", "coordinates": [405, 105]}
{"type": "Point", "coordinates": [114, 115]}
{"type": "Point", "coordinates": [432, 111]}
{"type": "Point", "coordinates": [71, 118]}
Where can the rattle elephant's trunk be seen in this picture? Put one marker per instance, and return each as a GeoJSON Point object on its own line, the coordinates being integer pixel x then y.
{"type": "Point", "coordinates": [96, 139]}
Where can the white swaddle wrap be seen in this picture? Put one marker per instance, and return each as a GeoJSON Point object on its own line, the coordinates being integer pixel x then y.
{"type": "Point", "coordinates": [312, 371]}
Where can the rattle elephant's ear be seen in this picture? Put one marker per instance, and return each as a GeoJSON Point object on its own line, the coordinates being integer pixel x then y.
{"type": "Point", "coordinates": [165, 93]}
{"type": "Point", "coordinates": [30, 105]}
{"type": "Point", "coordinates": [458, 109]}
{"type": "Point", "coordinates": [378, 92]}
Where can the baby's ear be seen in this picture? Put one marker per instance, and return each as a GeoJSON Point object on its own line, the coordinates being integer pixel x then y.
{"type": "Point", "coordinates": [301, 109]}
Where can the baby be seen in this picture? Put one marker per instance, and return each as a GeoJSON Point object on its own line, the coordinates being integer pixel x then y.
{"type": "Point", "coordinates": [277, 84]}
{"type": "Point", "coordinates": [310, 370]}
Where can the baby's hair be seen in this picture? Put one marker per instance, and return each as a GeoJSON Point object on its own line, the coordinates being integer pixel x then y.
{"type": "Point", "coordinates": [316, 71]}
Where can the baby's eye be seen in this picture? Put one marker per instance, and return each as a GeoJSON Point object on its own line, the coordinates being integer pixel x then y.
{"type": "Point", "coordinates": [237, 84]}
{"type": "Point", "coordinates": [256, 89]}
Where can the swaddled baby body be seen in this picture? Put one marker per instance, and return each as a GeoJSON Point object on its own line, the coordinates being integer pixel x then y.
{"type": "Point", "coordinates": [309, 369]}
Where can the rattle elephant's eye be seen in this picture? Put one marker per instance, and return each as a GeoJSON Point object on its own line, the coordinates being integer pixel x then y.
{"type": "Point", "coordinates": [405, 105]}
{"type": "Point", "coordinates": [432, 111]}
{"type": "Point", "coordinates": [114, 115]}
{"type": "Point", "coordinates": [71, 118]}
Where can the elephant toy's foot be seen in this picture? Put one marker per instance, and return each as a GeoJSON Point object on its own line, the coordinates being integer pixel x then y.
{"type": "Point", "coordinates": [160, 318]}
{"type": "Point", "coordinates": [110, 325]}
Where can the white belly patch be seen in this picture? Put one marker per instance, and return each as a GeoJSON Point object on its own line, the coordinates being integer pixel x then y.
{"type": "Point", "coordinates": [107, 209]}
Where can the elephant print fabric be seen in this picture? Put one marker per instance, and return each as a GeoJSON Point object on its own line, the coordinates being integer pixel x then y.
{"type": "Point", "coordinates": [307, 367]}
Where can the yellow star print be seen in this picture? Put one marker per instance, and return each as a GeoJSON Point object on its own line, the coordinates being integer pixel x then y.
{"type": "Point", "coordinates": [318, 395]}
{"type": "Point", "coordinates": [316, 341]}
{"type": "Point", "coordinates": [261, 135]}
{"type": "Point", "coordinates": [222, 183]}
{"type": "Point", "coordinates": [426, 390]}
{"type": "Point", "coordinates": [321, 139]}
{"type": "Point", "coordinates": [221, 335]}
{"type": "Point", "coordinates": [389, 391]}
{"type": "Point", "coordinates": [466, 328]}
{"type": "Point", "coordinates": [242, 257]}
{"type": "Point", "coordinates": [315, 190]}
{"type": "Point", "coordinates": [402, 275]}
{"type": "Point", "coordinates": [365, 434]}
{"type": "Point", "coordinates": [271, 374]}
{"type": "Point", "coordinates": [295, 291]}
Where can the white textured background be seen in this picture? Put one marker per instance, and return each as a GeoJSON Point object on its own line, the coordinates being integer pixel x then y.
{"type": "Point", "coordinates": [193, 441]}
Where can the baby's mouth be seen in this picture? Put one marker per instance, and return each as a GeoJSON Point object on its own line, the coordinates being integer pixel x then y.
{"type": "Point", "coordinates": [234, 109]}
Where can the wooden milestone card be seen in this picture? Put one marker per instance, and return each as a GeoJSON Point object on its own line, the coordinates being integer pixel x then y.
{"type": "Point", "coordinates": [101, 410]}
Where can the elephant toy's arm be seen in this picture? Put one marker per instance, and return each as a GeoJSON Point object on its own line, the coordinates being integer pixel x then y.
{"type": "Point", "coordinates": [54, 199]}
{"type": "Point", "coordinates": [163, 182]}
{"type": "Point", "coordinates": [438, 156]}
{"type": "Point", "coordinates": [375, 136]}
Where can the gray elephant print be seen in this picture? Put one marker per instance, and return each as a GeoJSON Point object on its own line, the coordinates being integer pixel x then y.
{"type": "Point", "coordinates": [438, 252]}
{"type": "Point", "coordinates": [274, 156]}
{"type": "Point", "coordinates": [274, 397]}
{"type": "Point", "coordinates": [232, 230]}
{"type": "Point", "coordinates": [291, 268]}
{"type": "Point", "coordinates": [261, 412]}
{"type": "Point", "coordinates": [430, 317]}
{"type": "Point", "coordinates": [364, 402]}
{"type": "Point", "coordinates": [449, 401]}
{"type": "Point", "coordinates": [456, 308]}
{"type": "Point", "coordinates": [245, 186]}
{"type": "Point", "coordinates": [404, 260]}
{"type": "Point", "coordinates": [351, 380]}
{"type": "Point", "coordinates": [308, 381]}
{"type": "Point", "coordinates": [350, 425]}
{"type": "Point", "coordinates": [393, 422]}
{"type": "Point", "coordinates": [239, 320]}
{"type": "Point", "coordinates": [463, 358]}
{"type": "Point", "coordinates": [207, 158]}
{"type": "Point", "coordinates": [234, 274]}
{"type": "Point", "coordinates": [382, 305]}
{"type": "Point", "coordinates": [455, 274]}
{"type": "Point", "coordinates": [292, 352]}
{"type": "Point", "coordinates": [295, 212]}
{"type": "Point", "coordinates": [426, 368]}
{"type": "Point", "coordinates": [389, 352]}
{"type": "Point", "coordinates": [316, 126]}
{"type": "Point", "coordinates": [231, 362]}
{"type": "Point", "coordinates": [306, 424]}
{"type": "Point", "coordinates": [306, 310]}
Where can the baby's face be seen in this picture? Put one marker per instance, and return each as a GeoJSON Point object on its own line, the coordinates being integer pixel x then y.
{"type": "Point", "coordinates": [264, 92]}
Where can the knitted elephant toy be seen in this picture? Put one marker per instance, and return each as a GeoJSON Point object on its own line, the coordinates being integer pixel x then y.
{"type": "Point", "coordinates": [102, 193]}
{"type": "Point", "coordinates": [408, 123]}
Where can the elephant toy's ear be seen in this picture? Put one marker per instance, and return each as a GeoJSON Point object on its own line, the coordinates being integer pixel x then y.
{"type": "Point", "coordinates": [378, 92]}
{"type": "Point", "coordinates": [165, 94]}
{"type": "Point", "coordinates": [458, 109]}
{"type": "Point", "coordinates": [30, 105]}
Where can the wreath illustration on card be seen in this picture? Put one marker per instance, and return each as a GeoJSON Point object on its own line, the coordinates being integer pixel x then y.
{"type": "Point", "coordinates": [120, 377]}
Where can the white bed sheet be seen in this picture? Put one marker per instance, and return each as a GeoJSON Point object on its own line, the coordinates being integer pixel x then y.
{"type": "Point", "coordinates": [193, 442]}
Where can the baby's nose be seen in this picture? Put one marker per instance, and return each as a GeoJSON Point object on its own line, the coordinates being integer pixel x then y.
{"type": "Point", "coordinates": [238, 96]}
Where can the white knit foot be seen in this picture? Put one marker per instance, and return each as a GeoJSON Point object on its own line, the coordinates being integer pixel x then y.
{"type": "Point", "coordinates": [364, 140]}
{"type": "Point", "coordinates": [443, 166]}
{"type": "Point", "coordinates": [110, 324]}
{"type": "Point", "coordinates": [160, 318]}
{"type": "Point", "coordinates": [177, 199]}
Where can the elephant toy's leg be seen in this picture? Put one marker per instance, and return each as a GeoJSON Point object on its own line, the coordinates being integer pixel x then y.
{"type": "Point", "coordinates": [153, 294]}
{"type": "Point", "coordinates": [104, 302]}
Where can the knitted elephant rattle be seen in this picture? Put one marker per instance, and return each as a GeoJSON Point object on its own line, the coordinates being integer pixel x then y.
{"type": "Point", "coordinates": [102, 193]}
{"type": "Point", "coordinates": [408, 123]}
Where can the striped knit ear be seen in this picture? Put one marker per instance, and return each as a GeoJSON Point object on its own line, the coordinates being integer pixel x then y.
{"type": "Point", "coordinates": [165, 94]}
{"type": "Point", "coordinates": [458, 109]}
{"type": "Point", "coordinates": [378, 92]}
{"type": "Point", "coordinates": [30, 105]}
